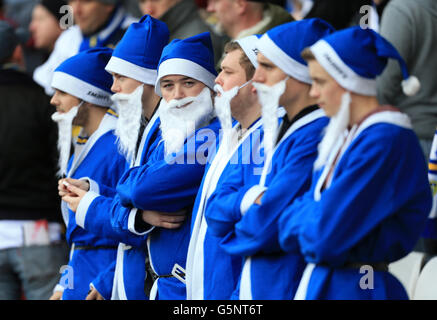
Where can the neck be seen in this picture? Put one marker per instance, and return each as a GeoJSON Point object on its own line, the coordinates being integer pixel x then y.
{"type": "Point", "coordinates": [95, 117]}
{"type": "Point", "coordinates": [296, 105]}
{"type": "Point", "coordinates": [150, 106]}
{"type": "Point", "coordinates": [250, 116]}
{"type": "Point", "coordinates": [246, 21]}
{"type": "Point", "coordinates": [360, 107]}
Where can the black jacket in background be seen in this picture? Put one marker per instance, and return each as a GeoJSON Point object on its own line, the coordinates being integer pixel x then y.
{"type": "Point", "coordinates": [28, 155]}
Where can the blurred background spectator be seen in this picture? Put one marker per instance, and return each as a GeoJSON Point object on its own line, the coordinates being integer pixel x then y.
{"type": "Point", "coordinates": [31, 245]}
{"type": "Point", "coordinates": [183, 20]}
{"type": "Point", "coordinates": [97, 23]}
{"type": "Point", "coordinates": [411, 26]}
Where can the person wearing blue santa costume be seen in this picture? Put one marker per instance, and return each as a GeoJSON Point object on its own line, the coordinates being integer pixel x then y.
{"type": "Point", "coordinates": [159, 193]}
{"type": "Point", "coordinates": [281, 78]}
{"type": "Point", "coordinates": [211, 273]}
{"type": "Point", "coordinates": [133, 66]}
{"type": "Point", "coordinates": [83, 98]}
{"type": "Point", "coordinates": [429, 234]}
{"type": "Point", "coordinates": [370, 197]}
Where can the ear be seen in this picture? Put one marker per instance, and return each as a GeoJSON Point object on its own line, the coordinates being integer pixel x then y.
{"type": "Point", "coordinates": [241, 6]}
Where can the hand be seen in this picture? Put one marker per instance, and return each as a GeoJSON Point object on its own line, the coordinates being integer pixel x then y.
{"type": "Point", "coordinates": [258, 199]}
{"type": "Point", "coordinates": [94, 295]}
{"type": "Point", "coordinates": [62, 188]}
{"type": "Point", "coordinates": [165, 220]}
{"type": "Point", "coordinates": [74, 197]}
{"type": "Point", "coordinates": [57, 295]}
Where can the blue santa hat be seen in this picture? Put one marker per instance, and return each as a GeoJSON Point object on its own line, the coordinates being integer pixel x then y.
{"type": "Point", "coordinates": [249, 47]}
{"type": "Point", "coordinates": [354, 57]}
{"type": "Point", "coordinates": [283, 45]}
{"type": "Point", "coordinates": [192, 57]}
{"type": "Point", "coordinates": [84, 76]}
{"type": "Point", "coordinates": [137, 55]}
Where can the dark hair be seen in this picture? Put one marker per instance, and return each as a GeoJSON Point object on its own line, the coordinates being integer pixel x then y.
{"type": "Point", "coordinates": [307, 55]}
{"type": "Point", "coordinates": [248, 67]}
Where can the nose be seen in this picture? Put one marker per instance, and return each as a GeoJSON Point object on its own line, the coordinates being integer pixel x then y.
{"type": "Point", "coordinates": [219, 80]}
{"type": "Point", "coordinates": [147, 7]}
{"type": "Point", "coordinates": [32, 26]}
{"type": "Point", "coordinates": [314, 92]}
{"type": "Point", "coordinates": [54, 101]}
{"type": "Point", "coordinates": [210, 6]}
{"type": "Point", "coordinates": [115, 86]}
{"type": "Point", "coordinates": [179, 92]}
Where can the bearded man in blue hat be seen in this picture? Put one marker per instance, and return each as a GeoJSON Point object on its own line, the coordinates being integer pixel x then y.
{"type": "Point", "coordinates": [161, 191]}
{"type": "Point", "coordinates": [370, 196]}
{"type": "Point", "coordinates": [97, 23]}
{"type": "Point", "coordinates": [290, 147]}
{"type": "Point", "coordinates": [82, 97]}
{"type": "Point", "coordinates": [133, 66]}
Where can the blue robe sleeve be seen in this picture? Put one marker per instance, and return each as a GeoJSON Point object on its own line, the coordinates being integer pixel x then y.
{"type": "Point", "coordinates": [101, 217]}
{"type": "Point", "coordinates": [222, 209]}
{"type": "Point", "coordinates": [165, 183]}
{"type": "Point", "coordinates": [257, 230]}
{"type": "Point", "coordinates": [375, 208]}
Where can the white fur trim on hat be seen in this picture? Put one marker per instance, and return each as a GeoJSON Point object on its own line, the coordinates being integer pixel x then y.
{"type": "Point", "coordinates": [130, 70]}
{"type": "Point", "coordinates": [344, 75]}
{"type": "Point", "coordinates": [248, 45]}
{"type": "Point", "coordinates": [287, 64]}
{"type": "Point", "coordinates": [81, 89]}
{"type": "Point", "coordinates": [410, 86]}
{"type": "Point", "coordinates": [184, 67]}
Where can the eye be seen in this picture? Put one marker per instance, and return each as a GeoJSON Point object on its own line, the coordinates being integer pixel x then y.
{"type": "Point", "coordinates": [189, 83]}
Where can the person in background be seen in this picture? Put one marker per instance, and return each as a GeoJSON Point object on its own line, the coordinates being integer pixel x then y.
{"type": "Point", "coordinates": [45, 29]}
{"type": "Point", "coordinates": [98, 23]}
{"type": "Point", "coordinates": [241, 18]}
{"type": "Point", "coordinates": [32, 248]}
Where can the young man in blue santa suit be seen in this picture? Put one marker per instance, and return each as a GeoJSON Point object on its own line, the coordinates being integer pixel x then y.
{"type": "Point", "coordinates": [133, 66]}
{"type": "Point", "coordinates": [369, 197]}
{"type": "Point", "coordinates": [281, 78]}
{"type": "Point", "coordinates": [83, 98]}
{"type": "Point", "coordinates": [160, 191]}
{"type": "Point", "coordinates": [211, 272]}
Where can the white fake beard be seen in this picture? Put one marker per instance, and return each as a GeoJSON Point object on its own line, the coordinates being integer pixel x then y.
{"type": "Point", "coordinates": [222, 107]}
{"type": "Point", "coordinates": [65, 126]}
{"type": "Point", "coordinates": [336, 127]}
{"type": "Point", "coordinates": [129, 109]}
{"type": "Point", "coordinates": [178, 123]}
{"type": "Point", "coordinates": [269, 100]}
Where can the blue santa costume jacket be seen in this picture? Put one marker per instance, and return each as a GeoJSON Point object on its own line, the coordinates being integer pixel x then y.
{"type": "Point", "coordinates": [90, 253]}
{"type": "Point", "coordinates": [83, 76]}
{"type": "Point", "coordinates": [135, 59]}
{"type": "Point", "coordinates": [371, 212]}
{"type": "Point", "coordinates": [252, 231]}
{"type": "Point", "coordinates": [162, 184]}
{"type": "Point", "coordinates": [125, 279]}
{"type": "Point", "coordinates": [249, 230]}
{"type": "Point", "coordinates": [211, 272]}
